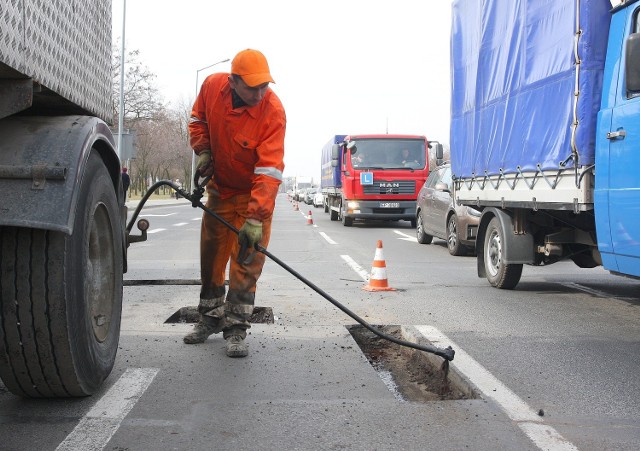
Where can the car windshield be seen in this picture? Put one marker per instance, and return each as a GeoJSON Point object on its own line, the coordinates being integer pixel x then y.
{"type": "Point", "coordinates": [385, 153]}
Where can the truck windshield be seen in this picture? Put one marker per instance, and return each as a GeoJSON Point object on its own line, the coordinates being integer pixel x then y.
{"type": "Point", "coordinates": [383, 153]}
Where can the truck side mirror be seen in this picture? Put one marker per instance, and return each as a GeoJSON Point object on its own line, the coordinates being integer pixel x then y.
{"type": "Point", "coordinates": [632, 63]}
{"type": "Point", "coordinates": [335, 152]}
{"type": "Point", "coordinates": [439, 151]}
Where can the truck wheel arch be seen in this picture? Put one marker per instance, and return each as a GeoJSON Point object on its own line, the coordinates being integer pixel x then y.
{"type": "Point", "coordinates": [61, 143]}
{"type": "Point", "coordinates": [517, 248]}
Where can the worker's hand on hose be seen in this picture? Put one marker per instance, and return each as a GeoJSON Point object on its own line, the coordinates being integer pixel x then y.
{"type": "Point", "coordinates": [204, 165]}
{"type": "Point", "coordinates": [250, 233]}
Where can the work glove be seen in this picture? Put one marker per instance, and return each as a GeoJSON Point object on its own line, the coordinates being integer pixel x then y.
{"type": "Point", "coordinates": [250, 233]}
{"type": "Point", "coordinates": [204, 166]}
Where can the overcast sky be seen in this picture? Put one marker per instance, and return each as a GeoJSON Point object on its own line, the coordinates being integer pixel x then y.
{"type": "Point", "coordinates": [341, 67]}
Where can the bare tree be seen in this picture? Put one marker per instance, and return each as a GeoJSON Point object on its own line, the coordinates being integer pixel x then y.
{"type": "Point", "coordinates": [161, 133]}
{"type": "Point", "coordinates": [184, 153]}
{"type": "Point", "coordinates": [142, 100]}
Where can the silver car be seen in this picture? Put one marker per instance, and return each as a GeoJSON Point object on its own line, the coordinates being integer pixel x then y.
{"type": "Point", "coordinates": [318, 199]}
{"type": "Point", "coordinates": [438, 216]}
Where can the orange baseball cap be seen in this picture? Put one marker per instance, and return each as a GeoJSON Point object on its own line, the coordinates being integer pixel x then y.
{"type": "Point", "coordinates": [252, 66]}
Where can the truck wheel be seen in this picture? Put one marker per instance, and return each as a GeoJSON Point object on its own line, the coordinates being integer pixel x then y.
{"type": "Point", "coordinates": [333, 214]}
{"type": "Point", "coordinates": [347, 222]}
{"type": "Point", "coordinates": [581, 256]}
{"type": "Point", "coordinates": [421, 235]}
{"type": "Point", "coordinates": [61, 297]}
{"type": "Point", "coordinates": [453, 240]}
{"type": "Point", "coordinates": [499, 274]}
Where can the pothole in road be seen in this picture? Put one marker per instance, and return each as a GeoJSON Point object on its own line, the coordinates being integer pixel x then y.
{"type": "Point", "coordinates": [410, 374]}
{"type": "Point", "coordinates": [262, 315]}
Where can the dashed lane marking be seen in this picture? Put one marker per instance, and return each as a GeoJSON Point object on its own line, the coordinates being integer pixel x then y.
{"type": "Point", "coordinates": [156, 230]}
{"type": "Point", "coordinates": [544, 436]}
{"type": "Point", "coordinates": [157, 215]}
{"type": "Point", "coordinates": [406, 237]}
{"type": "Point", "coordinates": [103, 420]}
{"type": "Point", "coordinates": [326, 237]}
{"type": "Point", "coordinates": [356, 267]}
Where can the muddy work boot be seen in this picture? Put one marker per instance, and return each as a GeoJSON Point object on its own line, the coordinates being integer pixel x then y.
{"type": "Point", "coordinates": [236, 347]}
{"type": "Point", "coordinates": [201, 331]}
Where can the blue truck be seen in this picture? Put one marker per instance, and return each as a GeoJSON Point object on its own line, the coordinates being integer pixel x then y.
{"type": "Point", "coordinates": [545, 132]}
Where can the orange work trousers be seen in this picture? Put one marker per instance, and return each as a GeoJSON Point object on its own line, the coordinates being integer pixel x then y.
{"type": "Point", "coordinates": [218, 248]}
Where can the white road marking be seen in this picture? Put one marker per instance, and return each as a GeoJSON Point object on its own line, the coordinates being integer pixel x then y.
{"type": "Point", "coordinates": [406, 237]}
{"type": "Point", "coordinates": [356, 267]}
{"type": "Point", "coordinates": [103, 420]}
{"type": "Point", "coordinates": [151, 215]}
{"type": "Point", "coordinates": [156, 230]}
{"type": "Point", "coordinates": [544, 436]}
{"type": "Point", "coordinates": [180, 224]}
{"type": "Point", "coordinates": [326, 237]}
{"type": "Point", "coordinates": [199, 218]}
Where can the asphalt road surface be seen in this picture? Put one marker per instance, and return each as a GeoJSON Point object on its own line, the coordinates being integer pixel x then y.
{"type": "Point", "coordinates": [554, 364]}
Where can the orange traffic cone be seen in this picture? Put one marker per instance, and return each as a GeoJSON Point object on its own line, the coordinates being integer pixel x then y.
{"type": "Point", "coordinates": [309, 219]}
{"type": "Point", "coordinates": [378, 279]}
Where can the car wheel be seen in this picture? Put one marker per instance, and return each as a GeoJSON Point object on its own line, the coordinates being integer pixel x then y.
{"type": "Point", "coordinates": [499, 274]}
{"type": "Point", "coordinates": [421, 235]}
{"type": "Point", "coordinates": [453, 240]}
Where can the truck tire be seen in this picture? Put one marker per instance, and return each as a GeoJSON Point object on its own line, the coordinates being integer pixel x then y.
{"type": "Point", "coordinates": [347, 222]}
{"type": "Point", "coordinates": [422, 236]}
{"type": "Point", "coordinates": [581, 256]}
{"type": "Point", "coordinates": [333, 214]}
{"type": "Point", "coordinates": [456, 248]}
{"type": "Point", "coordinates": [61, 297]}
{"type": "Point", "coordinates": [499, 274]}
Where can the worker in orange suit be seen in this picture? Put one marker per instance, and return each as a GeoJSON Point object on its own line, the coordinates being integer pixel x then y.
{"type": "Point", "coordinates": [237, 130]}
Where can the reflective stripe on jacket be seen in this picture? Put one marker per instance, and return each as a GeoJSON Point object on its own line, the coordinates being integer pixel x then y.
{"type": "Point", "coordinates": [246, 143]}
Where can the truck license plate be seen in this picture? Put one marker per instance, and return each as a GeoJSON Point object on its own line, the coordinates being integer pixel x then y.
{"type": "Point", "coordinates": [389, 204]}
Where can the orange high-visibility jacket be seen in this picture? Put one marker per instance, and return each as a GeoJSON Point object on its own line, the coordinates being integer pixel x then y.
{"type": "Point", "coordinates": [247, 143]}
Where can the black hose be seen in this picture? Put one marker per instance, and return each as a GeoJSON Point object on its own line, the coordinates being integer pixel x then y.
{"type": "Point", "coordinates": [446, 353]}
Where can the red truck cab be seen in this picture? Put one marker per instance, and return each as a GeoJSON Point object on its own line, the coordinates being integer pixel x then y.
{"type": "Point", "coordinates": [375, 177]}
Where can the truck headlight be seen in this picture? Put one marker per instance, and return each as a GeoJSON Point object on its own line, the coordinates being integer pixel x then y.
{"type": "Point", "coordinates": [352, 205]}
